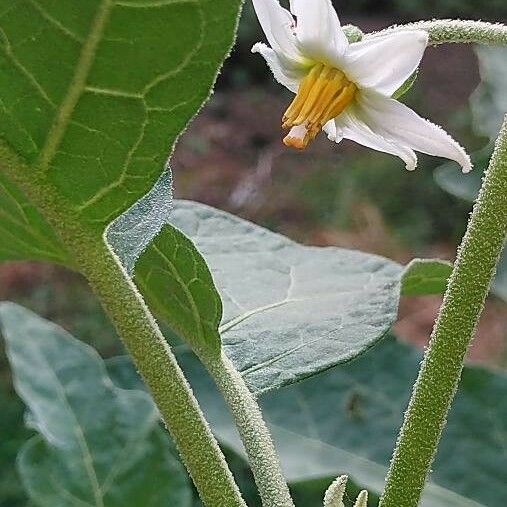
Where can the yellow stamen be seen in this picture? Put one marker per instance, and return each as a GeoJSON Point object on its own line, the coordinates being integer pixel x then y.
{"type": "Point", "coordinates": [322, 95]}
{"type": "Point", "coordinates": [304, 89]}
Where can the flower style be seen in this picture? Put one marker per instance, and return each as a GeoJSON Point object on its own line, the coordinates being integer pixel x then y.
{"type": "Point", "coordinates": [346, 89]}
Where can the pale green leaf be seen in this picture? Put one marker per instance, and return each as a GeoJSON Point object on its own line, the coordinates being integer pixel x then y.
{"type": "Point", "coordinates": [98, 445]}
{"type": "Point", "coordinates": [133, 230]}
{"type": "Point", "coordinates": [289, 311]}
{"type": "Point", "coordinates": [488, 104]}
{"type": "Point", "coordinates": [489, 101]}
{"type": "Point", "coordinates": [464, 186]}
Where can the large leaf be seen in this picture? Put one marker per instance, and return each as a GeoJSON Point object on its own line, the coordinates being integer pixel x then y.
{"type": "Point", "coordinates": [98, 445]}
{"type": "Point", "coordinates": [93, 94]}
{"type": "Point", "coordinates": [346, 421]}
{"type": "Point", "coordinates": [289, 310]}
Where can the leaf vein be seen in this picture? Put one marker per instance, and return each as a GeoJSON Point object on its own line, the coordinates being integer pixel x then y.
{"type": "Point", "coordinates": [77, 85]}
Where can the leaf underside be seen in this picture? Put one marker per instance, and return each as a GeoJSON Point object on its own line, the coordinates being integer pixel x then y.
{"type": "Point", "coordinates": [289, 311]}
{"type": "Point", "coordinates": [97, 445]}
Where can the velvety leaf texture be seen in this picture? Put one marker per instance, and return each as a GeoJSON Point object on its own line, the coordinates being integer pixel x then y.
{"type": "Point", "coordinates": [346, 421]}
{"type": "Point", "coordinates": [95, 92]}
{"type": "Point", "coordinates": [133, 230]}
{"type": "Point", "coordinates": [98, 445]}
{"type": "Point", "coordinates": [289, 310]}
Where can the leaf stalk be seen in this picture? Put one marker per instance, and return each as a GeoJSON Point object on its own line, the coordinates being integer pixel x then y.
{"type": "Point", "coordinates": [253, 431]}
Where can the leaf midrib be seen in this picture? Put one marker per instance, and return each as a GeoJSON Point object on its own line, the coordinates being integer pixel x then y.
{"type": "Point", "coordinates": [76, 86]}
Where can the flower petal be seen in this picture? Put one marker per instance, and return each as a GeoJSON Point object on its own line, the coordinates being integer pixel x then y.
{"type": "Point", "coordinates": [385, 62]}
{"type": "Point", "coordinates": [397, 123]}
{"type": "Point", "coordinates": [278, 25]}
{"type": "Point", "coordinates": [318, 30]}
{"type": "Point", "coordinates": [284, 71]}
{"type": "Point", "coordinates": [354, 128]}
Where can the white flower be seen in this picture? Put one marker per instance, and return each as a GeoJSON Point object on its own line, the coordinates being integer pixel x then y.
{"type": "Point", "coordinates": [345, 89]}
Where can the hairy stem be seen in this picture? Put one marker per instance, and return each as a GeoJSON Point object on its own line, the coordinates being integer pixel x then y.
{"type": "Point", "coordinates": [254, 433]}
{"type": "Point", "coordinates": [450, 30]}
{"type": "Point", "coordinates": [140, 333]}
{"type": "Point", "coordinates": [455, 326]}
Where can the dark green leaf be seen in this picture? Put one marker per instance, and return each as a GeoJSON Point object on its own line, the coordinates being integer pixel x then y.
{"type": "Point", "coordinates": [289, 310]}
{"type": "Point", "coordinates": [180, 288]}
{"type": "Point", "coordinates": [425, 276]}
{"type": "Point", "coordinates": [98, 445]}
{"type": "Point", "coordinates": [346, 421]}
{"type": "Point", "coordinates": [93, 94]}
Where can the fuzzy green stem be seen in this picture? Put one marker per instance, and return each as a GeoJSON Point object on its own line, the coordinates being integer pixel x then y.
{"type": "Point", "coordinates": [140, 333]}
{"type": "Point", "coordinates": [253, 431]}
{"type": "Point", "coordinates": [450, 30]}
{"type": "Point", "coordinates": [441, 369]}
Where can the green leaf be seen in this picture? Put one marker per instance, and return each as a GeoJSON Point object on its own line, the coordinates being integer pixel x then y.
{"type": "Point", "coordinates": [180, 288]}
{"type": "Point", "coordinates": [346, 421]}
{"type": "Point", "coordinates": [93, 94]}
{"type": "Point", "coordinates": [489, 101]}
{"type": "Point", "coordinates": [464, 186]}
{"type": "Point", "coordinates": [425, 276]}
{"type": "Point", "coordinates": [289, 310]}
{"type": "Point", "coordinates": [98, 444]}
{"type": "Point", "coordinates": [500, 283]}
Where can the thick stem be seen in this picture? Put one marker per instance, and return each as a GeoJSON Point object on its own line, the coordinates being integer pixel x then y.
{"type": "Point", "coordinates": [254, 433]}
{"type": "Point", "coordinates": [451, 30]}
{"type": "Point", "coordinates": [141, 335]}
{"type": "Point", "coordinates": [455, 326]}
